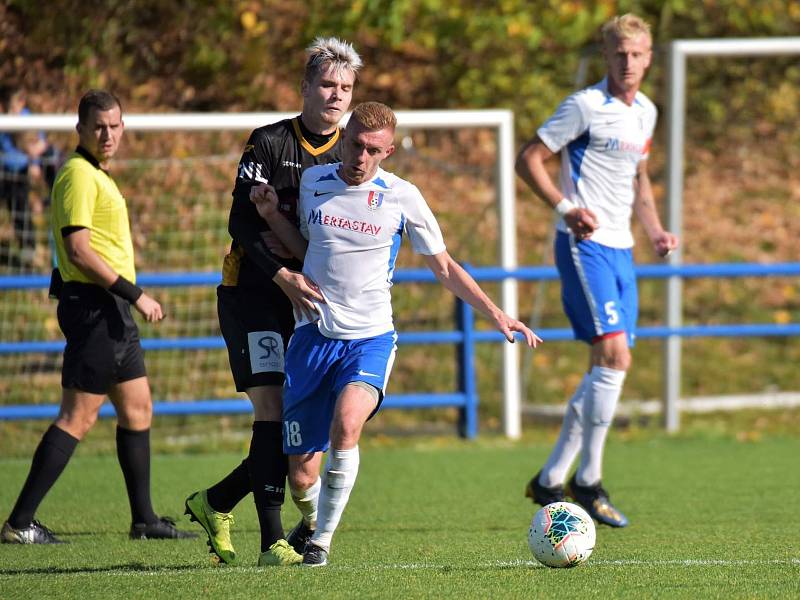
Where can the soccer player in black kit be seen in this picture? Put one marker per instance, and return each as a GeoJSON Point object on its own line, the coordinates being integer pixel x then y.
{"type": "Point", "coordinates": [261, 284]}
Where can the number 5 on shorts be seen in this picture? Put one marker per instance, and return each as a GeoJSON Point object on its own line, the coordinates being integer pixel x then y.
{"type": "Point", "coordinates": [293, 437]}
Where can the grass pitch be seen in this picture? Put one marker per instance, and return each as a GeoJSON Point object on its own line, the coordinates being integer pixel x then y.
{"type": "Point", "coordinates": [710, 518]}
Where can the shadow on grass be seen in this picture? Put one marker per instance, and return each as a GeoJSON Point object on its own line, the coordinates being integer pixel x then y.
{"type": "Point", "coordinates": [131, 567]}
{"type": "Point", "coordinates": [66, 535]}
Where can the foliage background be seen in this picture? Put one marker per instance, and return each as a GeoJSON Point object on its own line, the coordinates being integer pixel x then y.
{"type": "Point", "coordinates": [218, 55]}
{"type": "Point", "coordinates": [742, 174]}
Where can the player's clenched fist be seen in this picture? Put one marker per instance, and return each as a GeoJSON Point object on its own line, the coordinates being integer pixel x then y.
{"type": "Point", "coordinates": [582, 222]}
{"type": "Point", "coordinates": [265, 198]}
{"type": "Point", "coordinates": [664, 243]}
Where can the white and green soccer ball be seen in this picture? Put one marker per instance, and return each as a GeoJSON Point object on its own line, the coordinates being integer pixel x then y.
{"type": "Point", "coordinates": [561, 535]}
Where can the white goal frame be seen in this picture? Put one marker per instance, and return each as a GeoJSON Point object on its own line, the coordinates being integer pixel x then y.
{"type": "Point", "coordinates": [679, 51]}
{"type": "Point", "coordinates": [500, 120]}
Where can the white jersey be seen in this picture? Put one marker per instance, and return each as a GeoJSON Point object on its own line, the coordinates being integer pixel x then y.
{"type": "Point", "coordinates": [602, 140]}
{"type": "Point", "coordinates": [354, 235]}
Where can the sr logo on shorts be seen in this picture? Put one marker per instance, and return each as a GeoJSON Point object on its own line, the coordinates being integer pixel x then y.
{"type": "Point", "coordinates": [266, 352]}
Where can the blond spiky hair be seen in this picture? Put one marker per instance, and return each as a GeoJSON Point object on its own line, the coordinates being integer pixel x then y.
{"type": "Point", "coordinates": [624, 28]}
{"type": "Point", "coordinates": [331, 52]}
{"type": "Point", "coordinates": [374, 116]}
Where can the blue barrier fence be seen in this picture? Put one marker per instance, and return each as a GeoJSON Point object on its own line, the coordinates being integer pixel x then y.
{"type": "Point", "coordinates": [465, 336]}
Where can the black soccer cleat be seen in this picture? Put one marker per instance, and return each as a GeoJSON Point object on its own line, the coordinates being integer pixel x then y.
{"type": "Point", "coordinates": [299, 536]}
{"type": "Point", "coordinates": [163, 529]}
{"type": "Point", "coordinates": [541, 494]}
{"type": "Point", "coordinates": [35, 533]}
{"type": "Point", "coordinates": [595, 500]}
{"type": "Point", "coordinates": [314, 556]}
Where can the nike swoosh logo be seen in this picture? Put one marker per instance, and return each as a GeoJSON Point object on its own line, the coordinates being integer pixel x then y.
{"type": "Point", "coordinates": [365, 374]}
{"type": "Point", "coordinates": [316, 193]}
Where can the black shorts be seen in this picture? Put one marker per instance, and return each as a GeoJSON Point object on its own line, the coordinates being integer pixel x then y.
{"type": "Point", "coordinates": [256, 326]}
{"type": "Point", "coordinates": [103, 347]}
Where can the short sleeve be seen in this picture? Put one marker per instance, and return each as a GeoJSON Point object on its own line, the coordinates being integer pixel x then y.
{"type": "Point", "coordinates": [569, 122]}
{"type": "Point", "coordinates": [420, 225]}
{"type": "Point", "coordinates": [78, 198]}
{"type": "Point", "coordinates": [652, 117]}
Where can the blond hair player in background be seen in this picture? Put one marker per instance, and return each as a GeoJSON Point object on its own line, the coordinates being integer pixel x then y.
{"type": "Point", "coordinates": [604, 134]}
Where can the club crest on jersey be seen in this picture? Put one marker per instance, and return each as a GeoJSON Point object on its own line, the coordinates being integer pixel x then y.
{"type": "Point", "coordinates": [374, 200]}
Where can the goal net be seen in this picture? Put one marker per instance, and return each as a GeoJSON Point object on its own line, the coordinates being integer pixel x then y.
{"type": "Point", "coordinates": [177, 173]}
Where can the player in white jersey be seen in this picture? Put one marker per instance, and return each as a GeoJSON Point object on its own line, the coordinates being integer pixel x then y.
{"type": "Point", "coordinates": [353, 216]}
{"type": "Point", "coordinates": [604, 134]}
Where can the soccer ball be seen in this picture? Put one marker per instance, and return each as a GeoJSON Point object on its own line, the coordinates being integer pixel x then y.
{"type": "Point", "coordinates": [561, 535]}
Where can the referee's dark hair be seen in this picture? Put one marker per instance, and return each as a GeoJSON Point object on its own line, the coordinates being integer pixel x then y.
{"type": "Point", "coordinates": [96, 100]}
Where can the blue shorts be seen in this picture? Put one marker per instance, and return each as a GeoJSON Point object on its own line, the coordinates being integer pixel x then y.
{"type": "Point", "coordinates": [317, 369]}
{"type": "Point", "coordinates": [598, 288]}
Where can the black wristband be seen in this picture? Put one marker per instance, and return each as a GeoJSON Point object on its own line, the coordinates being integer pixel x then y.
{"type": "Point", "coordinates": [126, 290]}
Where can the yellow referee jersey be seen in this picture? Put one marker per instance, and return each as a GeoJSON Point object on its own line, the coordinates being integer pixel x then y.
{"type": "Point", "coordinates": [85, 196]}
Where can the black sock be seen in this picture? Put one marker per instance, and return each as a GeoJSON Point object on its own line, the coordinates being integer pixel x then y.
{"type": "Point", "coordinates": [133, 452]}
{"type": "Point", "coordinates": [51, 456]}
{"type": "Point", "coordinates": [226, 494]}
{"type": "Point", "coordinates": [268, 467]}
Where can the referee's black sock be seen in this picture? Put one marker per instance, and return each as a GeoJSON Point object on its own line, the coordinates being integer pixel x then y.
{"type": "Point", "coordinates": [51, 456]}
{"type": "Point", "coordinates": [268, 467]}
{"type": "Point", "coordinates": [226, 494]}
{"type": "Point", "coordinates": [133, 452]}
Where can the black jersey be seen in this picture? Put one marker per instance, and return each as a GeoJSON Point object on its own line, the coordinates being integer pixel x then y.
{"type": "Point", "coordinates": [276, 154]}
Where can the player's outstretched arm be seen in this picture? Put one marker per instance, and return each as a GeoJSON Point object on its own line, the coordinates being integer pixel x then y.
{"type": "Point", "coordinates": [265, 199]}
{"type": "Point", "coordinates": [644, 205]}
{"type": "Point", "coordinates": [459, 282]}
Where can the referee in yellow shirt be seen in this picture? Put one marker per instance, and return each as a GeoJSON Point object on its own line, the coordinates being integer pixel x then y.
{"type": "Point", "coordinates": [103, 355]}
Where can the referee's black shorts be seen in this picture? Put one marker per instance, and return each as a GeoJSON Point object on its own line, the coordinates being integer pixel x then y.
{"type": "Point", "coordinates": [256, 325]}
{"type": "Point", "coordinates": [103, 347]}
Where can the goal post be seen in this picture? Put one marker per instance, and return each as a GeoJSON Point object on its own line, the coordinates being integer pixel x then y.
{"type": "Point", "coordinates": [679, 51]}
{"type": "Point", "coordinates": [502, 121]}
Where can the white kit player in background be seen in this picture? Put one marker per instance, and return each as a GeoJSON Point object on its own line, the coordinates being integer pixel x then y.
{"type": "Point", "coordinates": [604, 134]}
{"type": "Point", "coordinates": [353, 216]}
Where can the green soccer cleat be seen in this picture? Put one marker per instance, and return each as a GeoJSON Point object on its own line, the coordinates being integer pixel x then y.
{"type": "Point", "coordinates": [217, 526]}
{"type": "Point", "coordinates": [280, 554]}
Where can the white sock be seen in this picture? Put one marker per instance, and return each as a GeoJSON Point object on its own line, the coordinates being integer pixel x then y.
{"type": "Point", "coordinates": [554, 471]}
{"type": "Point", "coordinates": [306, 502]}
{"type": "Point", "coordinates": [605, 387]}
{"type": "Point", "coordinates": [341, 470]}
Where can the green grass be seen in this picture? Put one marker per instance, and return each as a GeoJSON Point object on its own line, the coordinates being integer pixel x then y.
{"type": "Point", "coordinates": [441, 518]}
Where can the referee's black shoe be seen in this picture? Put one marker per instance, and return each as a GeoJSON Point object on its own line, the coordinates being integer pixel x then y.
{"type": "Point", "coordinates": [163, 529]}
{"type": "Point", "coordinates": [35, 533]}
{"type": "Point", "coordinates": [541, 494]}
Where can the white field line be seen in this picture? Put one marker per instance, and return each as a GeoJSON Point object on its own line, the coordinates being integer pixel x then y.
{"type": "Point", "coordinates": [499, 564]}
{"type": "Point", "coordinates": [504, 564]}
